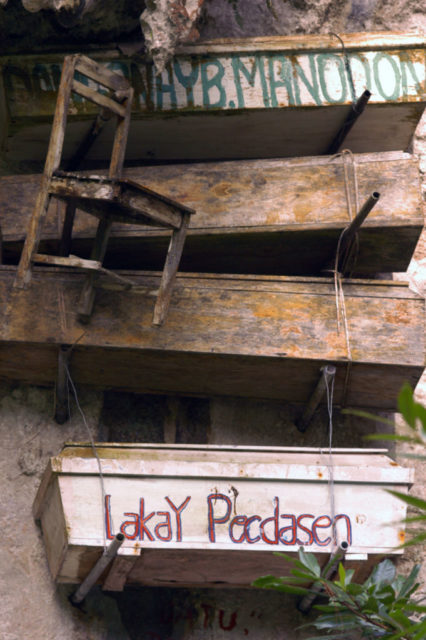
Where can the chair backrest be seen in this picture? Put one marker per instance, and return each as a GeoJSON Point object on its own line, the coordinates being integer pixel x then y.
{"type": "Point", "coordinates": [119, 102]}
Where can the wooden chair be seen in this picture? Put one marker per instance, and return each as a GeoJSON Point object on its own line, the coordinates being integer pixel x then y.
{"type": "Point", "coordinates": [108, 198]}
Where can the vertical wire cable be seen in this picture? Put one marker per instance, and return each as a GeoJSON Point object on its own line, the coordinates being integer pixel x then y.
{"type": "Point", "coordinates": [330, 395]}
{"type": "Point", "coordinates": [95, 453]}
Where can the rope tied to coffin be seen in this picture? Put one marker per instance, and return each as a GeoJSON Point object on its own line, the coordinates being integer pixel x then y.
{"type": "Point", "coordinates": [352, 204]}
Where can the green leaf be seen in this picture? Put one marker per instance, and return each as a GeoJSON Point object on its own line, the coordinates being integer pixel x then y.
{"type": "Point", "coordinates": [302, 575]}
{"type": "Point", "coordinates": [383, 573]}
{"type": "Point", "coordinates": [370, 416]}
{"type": "Point", "coordinates": [328, 608]}
{"type": "Point", "coordinates": [294, 561]}
{"type": "Point", "coordinates": [271, 582]}
{"type": "Point", "coordinates": [391, 436]}
{"type": "Point", "coordinates": [407, 586]}
{"type": "Point", "coordinates": [416, 632]}
{"type": "Point", "coordinates": [406, 405]}
{"type": "Point", "coordinates": [354, 589]}
{"type": "Point", "coordinates": [419, 539]}
{"type": "Point", "coordinates": [411, 500]}
{"type": "Point", "coordinates": [410, 409]}
{"type": "Point", "coordinates": [310, 562]}
{"type": "Point", "coordinates": [342, 575]}
{"type": "Point", "coordinates": [341, 621]}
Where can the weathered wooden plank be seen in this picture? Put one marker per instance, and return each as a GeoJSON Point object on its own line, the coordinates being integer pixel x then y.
{"type": "Point", "coordinates": [264, 337]}
{"type": "Point", "coordinates": [211, 515]}
{"type": "Point", "coordinates": [122, 200]}
{"type": "Point", "coordinates": [98, 98]}
{"type": "Point", "coordinates": [265, 97]}
{"type": "Point", "coordinates": [262, 216]}
{"type": "Point", "coordinates": [100, 74]}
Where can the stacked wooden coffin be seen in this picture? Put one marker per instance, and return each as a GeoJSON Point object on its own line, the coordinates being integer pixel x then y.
{"type": "Point", "coordinates": [239, 109]}
{"type": "Point", "coordinates": [214, 516]}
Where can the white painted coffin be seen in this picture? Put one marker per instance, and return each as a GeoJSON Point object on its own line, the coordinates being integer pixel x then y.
{"type": "Point", "coordinates": [214, 515]}
{"type": "Point", "coordinates": [250, 98]}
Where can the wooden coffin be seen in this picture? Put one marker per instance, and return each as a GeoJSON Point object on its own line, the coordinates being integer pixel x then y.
{"type": "Point", "coordinates": [251, 98]}
{"type": "Point", "coordinates": [261, 337]}
{"type": "Point", "coordinates": [255, 216]}
{"type": "Point", "coordinates": [214, 515]}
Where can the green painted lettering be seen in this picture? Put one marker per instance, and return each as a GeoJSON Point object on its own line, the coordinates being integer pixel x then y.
{"type": "Point", "coordinates": [285, 75]}
{"type": "Point", "coordinates": [355, 58]}
{"type": "Point", "coordinates": [41, 79]}
{"type": "Point", "coordinates": [394, 95]}
{"type": "Point", "coordinates": [407, 64]}
{"type": "Point", "coordinates": [328, 78]}
{"type": "Point", "coordinates": [257, 67]}
{"type": "Point", "coordinates": [215, 81]}
{"type": "Point", "coordinates": [162, 88]}
{"type": "Point", "coordinates": [312, 87]}
{"type": "Point", "coordinates": [187, 81]}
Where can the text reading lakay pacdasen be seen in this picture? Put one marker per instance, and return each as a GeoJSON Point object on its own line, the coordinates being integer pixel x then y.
{"type": "Point", "coordinates": [220, 523]}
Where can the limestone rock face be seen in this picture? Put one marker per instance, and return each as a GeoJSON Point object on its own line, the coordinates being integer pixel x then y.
{"type": "Point", "coordinates": [165, 24]}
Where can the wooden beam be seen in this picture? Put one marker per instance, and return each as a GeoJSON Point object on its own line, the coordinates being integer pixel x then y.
{"type": "Point", "coordinates": [260, 97]}
{"type": "Point", "coordinates": [259, 216]}
{"type": "Point", "coordinates": [263, 337]}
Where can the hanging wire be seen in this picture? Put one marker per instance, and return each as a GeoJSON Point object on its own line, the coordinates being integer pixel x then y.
{"type": "Point", "coordinates": [95, 453]}
{"type": "Point", "coordinates": [330, 395]}
{"type": "Point", "coordinates": [347, 67]}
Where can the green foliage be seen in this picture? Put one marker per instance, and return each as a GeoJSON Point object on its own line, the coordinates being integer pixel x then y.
{"type": "Point", "coordinates": [414, 415]}
{"type": "Point", "coordinates": [382, 607]}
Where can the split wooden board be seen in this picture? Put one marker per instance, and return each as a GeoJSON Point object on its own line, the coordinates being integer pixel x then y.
{"type": "Point", "coordinates": [214, 515]}
{"type": "Point", "coordinates": [259, 216]}
{"type": "Point", "coordinates": [250, 98]}
{"type": "Point", "coordinates": [261, 337]}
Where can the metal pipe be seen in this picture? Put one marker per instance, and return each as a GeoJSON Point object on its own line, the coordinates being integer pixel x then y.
{"type": "Point", "coordinates": [327, 373]}
{"type": "Point", "coordinates": [350, 233]}
{"type": "Point", "coordinates": [108, 555]}
{"type": "Point", "coordinates": [351, 118]}
{"type": "Point", "coordinates": [330, 568]}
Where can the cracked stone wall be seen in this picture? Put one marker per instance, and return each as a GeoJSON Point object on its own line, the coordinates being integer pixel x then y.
{"type": "Point", "coordinates": [31, 607]}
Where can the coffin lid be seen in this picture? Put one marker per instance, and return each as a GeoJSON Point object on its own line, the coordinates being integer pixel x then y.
{"type": "Point", "coordinates": [282, 464]}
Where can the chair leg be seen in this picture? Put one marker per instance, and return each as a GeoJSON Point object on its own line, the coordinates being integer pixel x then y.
{"type": "Point", "coordinates": [171, 265]}
{"type": "Point", "coordinates": [87, 297]}
{"type": "Point", "coordinates": [32, 239]}
{"type": "Point", "coordinates": [53, 158]}
{"type": "Point", "coordinates": [66, 237]}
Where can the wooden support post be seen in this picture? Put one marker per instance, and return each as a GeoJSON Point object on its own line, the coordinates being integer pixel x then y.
{"type": "Point", "coordinates": [171, 419]}
{"type": "Point", "coordinates": [352, 117]}
{"type": "Point", "coordinates": [331, 567]}
{"type": "Point", "coordinates": [61, 388]}
{"type": "Point", "coordinates": [327, 373]}
{"type": "Point", "coordinates": [171, 265]}
{"type": "Point", "coordinates": [108, 555]}
{"type": "Point", "coordinates": [87, 297]}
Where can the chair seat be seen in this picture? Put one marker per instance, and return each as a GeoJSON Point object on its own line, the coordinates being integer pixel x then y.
{"type": "Point", "coordinates": [119, 200]}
